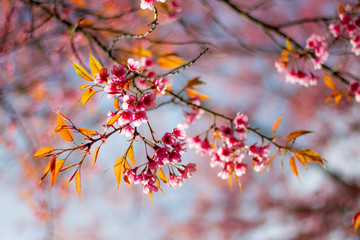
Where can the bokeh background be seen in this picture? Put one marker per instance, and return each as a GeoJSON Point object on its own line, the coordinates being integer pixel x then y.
{"type": "Point", "coordinates": [37, 78]}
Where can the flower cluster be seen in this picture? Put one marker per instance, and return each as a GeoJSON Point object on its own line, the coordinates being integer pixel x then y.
{"type": "Point", "coordinates": [173, 145]}
{"type": "Point", "coordinates": [348, 26]}
{"type": "Point", "coordinates": [228, 150]}
{"type": "Point", "coordinates": [293, 73]}
{"type": "Point", "coordinates": [149, 4]}
{"type": "Point", "coordinates": [319, 46]}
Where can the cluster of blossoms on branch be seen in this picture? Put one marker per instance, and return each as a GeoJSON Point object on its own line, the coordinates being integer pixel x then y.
{"type": "Point", "coordinates": [295, 66]}
{"type": "Point", "coordinates": [227, 149]}
{"type": "Point", "coordinates": [348, 26]}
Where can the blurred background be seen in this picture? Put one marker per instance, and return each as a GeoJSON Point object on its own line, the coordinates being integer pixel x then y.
{"type": "Point", "coordinates": [37, 78]}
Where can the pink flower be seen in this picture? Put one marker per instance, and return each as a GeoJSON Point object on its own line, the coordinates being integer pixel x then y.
{"type": "Point", "coordinates": [216, 161]}
{"type": "Point", "coordinates": [133, 65]}
{"type": "Point", "coordinates": [241, 121]}
{"type": "Point", "coordinates": [149, 188]}
{"type": "Point", "coordinates": [188, 170]}
{"type": "Point", "coordinates": [224, 174]}
{"type": "Point", "coordinates": [173, 181]}
{"type": "Point", "coordinates": [280, 67]}
{"type": "Point", "coordinates": [139, 117]}
{"type": "Point", "coordinates": [127, 130]}
{"type": "Point", "coordinates": [115, 87]}
{"type": "Point", "coordinates": [335, 30]}
{"type": "Point", "coordinates": [161, 156]}
{"type": "Point", "coordinates": [179, 133]}
{"type": "Point", "coordinates": [301, 78]}
{"type": "Point", "coordinates": [129, 102]}
{"type": "Point", "coordinates": [119, 71]}
{"type": "Point", "coordinates": [226, 131]}
{"type": "Point", "coordinates": [240, 169]}
{"type": "Point", "coordinates": [355, 89]}
{"type": "Point", "coordinates": [174, 157]}
{"type": "Point", "coordinates": [101, 77]}
{"type": "Point", "coordinates": [355, 42]}
{"type": "Point", "coordinates": [168, 139]}
{"type": "Point", "coordinates": [318, 44]}
{"type": "Point", "coordinates": [147, 4]}
{"type": "Point", "coordinates": [148, 101]}
{"type": "Point", "coordinates": [344, 18]}
{"type": "Point", "coordinates": [126, 117]}
{"type": "Point", "coordinates": [259, 154]}
{"type": "Point", "coordinates": [225, 153]}
{"type": "Point", "coordinates": [146, 62]}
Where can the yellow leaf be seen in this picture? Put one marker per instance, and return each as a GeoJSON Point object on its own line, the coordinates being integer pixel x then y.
{"type": "Point", "coordinates": [288, 45]}
{"type": "Point", "coordinates": [230, 181]}
{"type": "Point", "coordinates": [296, 134]}
{"type": "Point", "coordinates": [341, 9]}
{"type": "Point", "coordinates": [192, 84]}
{"type": "Point", "coordinates": [58, 165]}
{"type": "Point", "coordinates": [78, 183]}
{"type": "Point", "coordinates": [116, 104]}
{"type": "Point", "coordinates": [43, 151]}
{"type": "Point", "coordinates": [95, 66]}
{"type": "Point", "coordinates": [67, 167]}
{"type": "Point", "coordinates": [276, 123]}
{"type": "Point", "coordinates": [87, 132]}
{"type": "Point", "coordinates": [117, 169]}
{"type": "Point", "coordinates": [269, 160]}
{"type": "Point", "coordinates": [337, 98]}
{"type": "Point", "coordinates": [329, 82]}
{"type": "Point", "coordinates": [301, 159]}
{"type": "Point", "coordinates": [162, 176]}
{"type": "Point", "coordinates": [130, 154]}
{"type": "Point", "coordinates": [95, 155]}
{"type": "Point", "coordinates": [140, 52]}
{"type": "Point", "coordinates": [150, 195]}
{"type": "Point", "coordinates": [356, 221]}
{"type": "Point", "coordinates": [195, 94]}
{"type": "Point", "coordinates": [87, 95]}
{"type": "Point", "coordinates": [170, 62]}
{"type": "Point", "coordinates": [84, 86]}
{"type": "Point", "coordinates": [82, 72]}
{"type": "Point", "coordinates": [63, 129]}
{"type": "Point", "coordinates": [113, 120]}
{"type": "Point", "coordinates": [294, 167]}
{"type": "Point", "coordinates": [312, 156]}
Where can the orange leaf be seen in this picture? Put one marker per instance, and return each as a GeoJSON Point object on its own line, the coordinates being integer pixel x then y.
{"type": "Point", "coordinates": [140, 52]}
{"type": "Point", "coordinates": [169, 62]}
{"type": "Point", "coordinates": [194, 94]}
{"type": "Point", "coordinates": [87, 132]}
{"type": "Point", "coordinates": [130, 154]}
{"type": "Point", "coordinates": [341, 9]}
{"type": "Point", "coordinates": [67, 167]}
{"type": "Point", "coordinates": [329, 82]}
{"type": "Point", "coordinates": [192, 84]}
{"type": "Point", "coordinates": [296, 134]}
{"type": "Point", "coordinates": [162, 176]}
{"type": "Point", "coordinates": [95, 155]}
{"type": "Point", "coordinates": [269, 160]}
{"type": "Point", "coordinates": [43, 151]}
{"type": "Point", "coordinates": [82, 72]}
{"type": "Point", "coordinates": [276, 123]}
{"type": "Point", "coordinates": [63, 129]}
{"type": "Point", "coordinates": [288, 45]}
{"type": "Point", "coordinates": [116, 104]}
{"type": "Point", "coordinates": [78, 183]}
{"type": "Point", "coordinates": [87, 95]}
{"type": "Point", "coordinates": [95, 66]}
{"type": "Point", "coordinates": [84, 86]}
{"type": "Point", "coordinates": [113, 120]}
{"type": "Point", "coordinates": [79, 3]}
{"type": "Point", "coordinates": [312, 156]}
{"type": "Point", "coordinates": [58, 165]}
{"type": "Point", "coordinates": [301, 159]}
{"type": "Point", "coordinates": [117, 169]}
{"type": "Point", "coordinates": [150, 195]}
{"type": "Point", "coordinates": [294, 167]}
{"type": "Point", "coordinates": [356, 221]}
